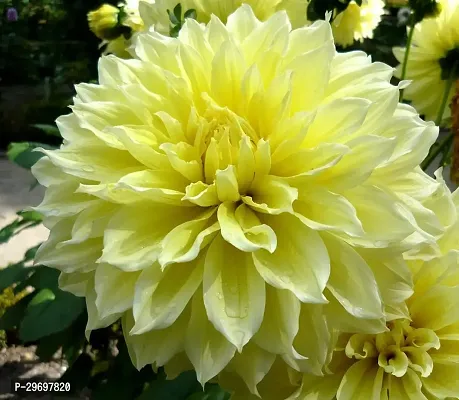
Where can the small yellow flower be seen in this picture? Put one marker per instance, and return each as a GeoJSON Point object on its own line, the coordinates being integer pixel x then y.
{"type": "Point", "coordinates": [433, 60]}
{"type": "Point", "coordinates": [222, 187]}
{"type": "Point", "coordinates": [357, 22]}
{"type": "Point", "coordinates": [103, 20]}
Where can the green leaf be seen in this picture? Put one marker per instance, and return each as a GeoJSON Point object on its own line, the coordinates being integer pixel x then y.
{"type": "Point", "coordinates": [44, 278]}
{"type": "Point", "coordinates": [13, 315]}
{"type": "Point", "coordinates": [179, 388]}
{"type": "Point", "coordinates": [13, 274]}
{"type": "Point", "coordinates": [30, 254]}
{"type": "Point", "coordinates": [175, 31]}
{"type": "Point", "coordinates": [51, 130]}
{"type": "Point", "coordinates": [190, 14]}
{"type": "Point", "coordinates": [22, 153]}
{"type": "Point", "coordinates": [173, 18]}
{"type": "Point", "coordinates": [178, 12]}
{"type": "Point", "coordinates": [48, 313]}
{"type": "Point", "coordinates": [27, 219]}
{"type": "Point", "coordinates": [30, 216]}
{"type": "Point", "coordinates": [43, 296]}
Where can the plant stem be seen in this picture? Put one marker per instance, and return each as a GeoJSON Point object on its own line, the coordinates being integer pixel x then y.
{"type": "Point", "coordinates": [433, 154]}
{"type": "Point", "coordinates": [407, 53]}
{"type": "Point", "coordinates": [444, 101]}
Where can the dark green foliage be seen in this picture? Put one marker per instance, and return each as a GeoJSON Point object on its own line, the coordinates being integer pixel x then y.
{"type": "Point", "coordinates": [176, 20]}
{"type": "Point", "coordinates": [24, 154]}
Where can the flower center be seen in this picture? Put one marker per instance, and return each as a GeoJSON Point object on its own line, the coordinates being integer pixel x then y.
{"type": "Point", "coordinates": [403, 347]}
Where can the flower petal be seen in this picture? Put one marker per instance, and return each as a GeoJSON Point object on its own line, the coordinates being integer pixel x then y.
{"type": "Point", "coordinates": [155, 347]}
{"type": "Point", "coordinates": [280, 321]}
{"type": "Point", "coordinates": [352, 281]}
{"type": "Point", "coordinates": [161, 296]}
{"type": "Point", "coordinates": [300, 262]}
{"type": "Point", "coordinates": [241, 227]}
{"type": "Point", "coordinates": [234, 293]}
{"type": "Point", "coordinates": [108, 300]}
{"type": "Point", "coordinates": [208, 350]}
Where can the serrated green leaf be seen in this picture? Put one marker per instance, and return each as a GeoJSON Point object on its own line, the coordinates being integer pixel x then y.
{"type": "Point", "coordinates": [51, 312]}
{"type": "Point", "coordinates": [51, 130]}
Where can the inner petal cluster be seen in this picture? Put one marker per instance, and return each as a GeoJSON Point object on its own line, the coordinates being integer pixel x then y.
{"type": "Point", "coordinates": [403, 347]}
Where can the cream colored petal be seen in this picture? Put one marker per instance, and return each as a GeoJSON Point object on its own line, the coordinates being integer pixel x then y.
{"type": "Point", "coordinates": [323, 210]}
{"type": "Point", "coordinates": [437, 308]}
{"type": "Point", "coordinates": [363, 381]}
{"type": "Point", "coordinates": [114, 289]}
{"type": "Point", "coordinates": [133, 237]}
{"type": "Point", "coordinates": [88, 161]}
{"type": "Point", "coordinates": [208, 350]}
{"type": "Point", "coordinates": [300, 263]}
{"type": "Point", "coordinates": [352, 281]}
{"type": "Point", "coordinates": [76, 283]}
{"type": "Point", "coordinates": [313, 340]}
{"type": "Point", "coordinates": [252, 365]}
{"type": "Point", "coordinates": [340, 319]}
{"type": "Point", "coordinates": [94, 319]}
{"type": "Point", "coordinates": [68, 257]}
{"type": "Point", "coordinates": [280, 321]}
{"type": "Point", "coordinates": [241, 228]}
{"type": "Point", "coordinates": [161, 296]}
{"type": "Point", "coordinates": [183, 243]}
{"type": "Point", "coordinates": [234, 293]}
{"type": "Point", "coordinates": [156, 347]}
{"type": "Point", "coordinates": [318, 387]}
{"type": "Point", "coordinates": [271, 195]}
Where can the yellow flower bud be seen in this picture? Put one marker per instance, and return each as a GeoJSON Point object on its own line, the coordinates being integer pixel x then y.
{"type": "Point", "coordinates": [103, 20]}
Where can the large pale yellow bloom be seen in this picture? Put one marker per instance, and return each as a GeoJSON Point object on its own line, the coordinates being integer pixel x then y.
{"type": "Point", "coordinates": [213, 184]}
{"type": "Point", "coordinates": [435, 43]}
{"type": "Point", "coordinates": [356, 22]}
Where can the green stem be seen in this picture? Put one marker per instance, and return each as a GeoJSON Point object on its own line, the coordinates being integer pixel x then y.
{"type": "Point", "coordinates": [444, 102]}
{"type": "Point", "coordinates": [447, 153]}
{"type": "Point", "coordinates": [433, 154]}
{"type": "Point", "coordinates": [407, 53]}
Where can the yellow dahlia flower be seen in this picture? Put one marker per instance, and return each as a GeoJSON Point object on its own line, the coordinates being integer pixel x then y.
{"type": "Point", "coordinates": [230, 174]}
{"type": "Point", "coordinates": [357, 22]}
{"type": "Point", "coordinates": [418, 356]}
{"type": "Point", "coordinates": [433, 60]}
{"type": "Point", "coordinates": [103, 20]}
